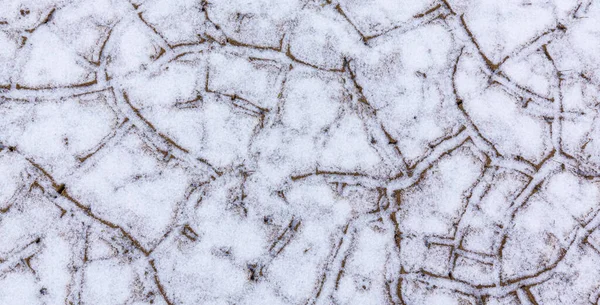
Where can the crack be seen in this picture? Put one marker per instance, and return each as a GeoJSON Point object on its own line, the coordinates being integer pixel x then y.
{"type": "Point", "coordinates": [490, 65]}
{"type": "Point", "coordinates": [19, 256]}
{"type": "Point", "coordinates": [158, 283]}
{"type": "Point", "coordinates": [421, 167]}
{"type": "Point", "coordinates": [340, 11]}
{"type": "Point", "coordinates": [385, 145]}
{"type": "Point", "coordinates": [67, 200]}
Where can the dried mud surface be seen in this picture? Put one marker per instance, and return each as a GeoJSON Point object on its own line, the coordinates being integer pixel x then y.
{"type": "Point", "coordinates": [299, 152]}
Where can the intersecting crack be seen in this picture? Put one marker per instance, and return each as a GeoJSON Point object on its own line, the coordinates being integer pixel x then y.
{"type": "Point", "coordinates": [299, 152]}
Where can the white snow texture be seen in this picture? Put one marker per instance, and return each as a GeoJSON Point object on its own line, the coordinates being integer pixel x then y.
{"type": "Point", "coordinates": [311, 152]}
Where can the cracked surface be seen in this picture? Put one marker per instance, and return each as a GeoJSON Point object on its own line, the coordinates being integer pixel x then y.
{"type": "Point", "coordinates": [299, 152]}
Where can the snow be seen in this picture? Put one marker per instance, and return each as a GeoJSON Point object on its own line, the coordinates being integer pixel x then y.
{"type": "Point", "coordinates": [374, 17]}
{"type": "Point", "coordinates": [50, 63]}
{"type": "Point", "coordinates": [299, 152]}
{"type": "Point", "coordinates": [323, 38]}
{"type": "Point", "coordinates": [257, 81]}
{"type": "Point", "coordinates": [62, 129]}
{"type": "Point", "coordinates": [181, 22]}
{"type": "Point", "coordinates": [498, 115]}
{"type": "Point", "coordinates": [409, 85]}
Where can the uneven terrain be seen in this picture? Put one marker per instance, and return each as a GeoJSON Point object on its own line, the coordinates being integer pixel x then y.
{"type": "Point", "coordinates": [299, 152]}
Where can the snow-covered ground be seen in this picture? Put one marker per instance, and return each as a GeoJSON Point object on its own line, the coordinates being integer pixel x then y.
{"type": "Point", "coordinates": [398, 152]}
